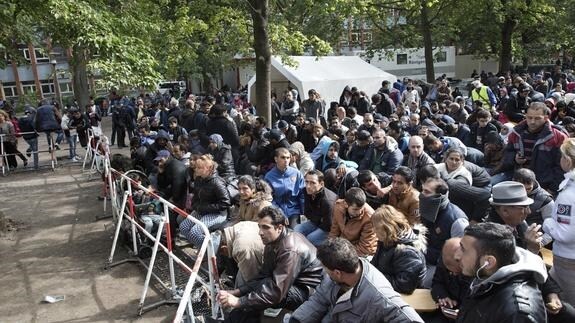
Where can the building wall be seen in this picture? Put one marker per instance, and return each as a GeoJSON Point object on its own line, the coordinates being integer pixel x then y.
{"type": "Point", "coordinates": [465, 64]}
{"type": "Point", "coordinates": [45, 72]}
{"type": "Point", "coordinates": [410, 62]}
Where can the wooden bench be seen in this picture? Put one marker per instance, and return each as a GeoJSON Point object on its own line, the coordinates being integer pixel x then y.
{"type": "Point", "coordinates": [547, 257]}
{"type": "Point", "coordinates": [420, 300]}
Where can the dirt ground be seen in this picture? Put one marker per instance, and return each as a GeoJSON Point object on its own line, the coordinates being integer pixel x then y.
{"type": "Point", "coordinates": [51, 244]}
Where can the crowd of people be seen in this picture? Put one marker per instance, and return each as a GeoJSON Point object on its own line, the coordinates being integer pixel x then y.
{"type": "Point", "coordinates": [337, 208]}
{"type": "Point", "coordinates": [70, 123]}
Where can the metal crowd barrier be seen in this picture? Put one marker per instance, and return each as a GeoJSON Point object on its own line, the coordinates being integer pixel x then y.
{"type": "Point", "coordinates": [96, 151]}
{"type": "Point", "coordinates": [123, 209]}
{"type": "Point", "coordinates": [4, 156]}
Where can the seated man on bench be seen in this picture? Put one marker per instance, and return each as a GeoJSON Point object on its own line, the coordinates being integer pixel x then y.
{"type": "Point", "coordinates": [289, 273]}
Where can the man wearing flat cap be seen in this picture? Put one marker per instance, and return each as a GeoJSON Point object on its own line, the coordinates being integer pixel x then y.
{"type": "Point", "coordinates": [510, 206]}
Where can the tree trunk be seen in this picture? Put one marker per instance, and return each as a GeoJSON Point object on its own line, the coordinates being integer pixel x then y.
{"type": "Point", "coordinates": [505, 56]}
{"type": "Point", "coordinates": [207, 86]}
{"type": "Point", "coordinates": [427, 42]}
{"type": "Point", "coordinates": [79, 66]}
{"type": "Point", "coordinates": [19, 89]}
{"type": "Point", "coordinates": [260, 13]}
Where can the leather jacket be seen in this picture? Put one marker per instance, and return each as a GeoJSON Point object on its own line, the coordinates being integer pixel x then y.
{"type": "Point", "coordinates": [210, 195]}
{"type": "Point", "coordinates": [290, 260]}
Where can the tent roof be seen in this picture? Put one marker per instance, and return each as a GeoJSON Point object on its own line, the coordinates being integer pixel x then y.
{"type": "Point", "coordinates": [328, 68]}
{"type": "Point", "coordinates": [326, 74]}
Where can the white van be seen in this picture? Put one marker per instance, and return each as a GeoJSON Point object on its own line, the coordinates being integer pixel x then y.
{"type": "Point", "coordinates": [175, 86]}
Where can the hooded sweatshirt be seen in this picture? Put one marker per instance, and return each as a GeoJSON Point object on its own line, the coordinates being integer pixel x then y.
{"type": "Point", "coordinates": [305, 163]}
{"type": "Point", "coordinates": [323, 162]}
{"type": "Point", "coordinates": [403, 263]}
{"type": "Point", "coordinates": [511, 294]}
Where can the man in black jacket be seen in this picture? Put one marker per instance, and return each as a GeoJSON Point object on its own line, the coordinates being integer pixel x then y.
{"type": "Point", "coordinates": [171, 182]}
{"type": "Point", "coordinates": [318, 207]}
{"type": "Point", "coordinates": [505, 288]}
{"type": "Point", "coordinates": [220, 124]}
{"type": "Point", "coordinates": [289, 274]}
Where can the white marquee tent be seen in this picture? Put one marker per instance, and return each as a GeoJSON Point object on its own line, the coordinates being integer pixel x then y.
{"type": "Point", "coordinates": [328, 75]}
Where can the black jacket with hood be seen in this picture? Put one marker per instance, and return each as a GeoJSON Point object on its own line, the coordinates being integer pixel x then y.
{"type": "Point", "coordinates": [153, 150]}
{"type": "Point", "coordinates": [511, 294]}
{"type": "Point", "coordinates": [403, 263]}
{"type": "Point", "coordinates": [223, 156]}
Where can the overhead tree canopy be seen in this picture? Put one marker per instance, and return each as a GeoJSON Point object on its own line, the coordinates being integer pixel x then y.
{"type": "Point", "coordinates": [137, 42]}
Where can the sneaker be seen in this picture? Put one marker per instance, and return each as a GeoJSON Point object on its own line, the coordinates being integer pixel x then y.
{"type": "Point", "coordinates": [76, 159]}
{"type": "Point", "coordinates": [57, 146]}
{"type": "Point", "coordinates": [28, 154]}
{"type": "Point", "coordinates": [25, 163]}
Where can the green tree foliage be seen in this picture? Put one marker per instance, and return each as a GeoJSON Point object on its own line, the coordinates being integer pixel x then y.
{"type": "Point", "coordinates": [408, 24]}
{"type": "Point", "coordinates": [16, 26]}
{"type": "Point", "coordinates": [107, 37]}
{"type": "Point", "coordinates": [514, 30]}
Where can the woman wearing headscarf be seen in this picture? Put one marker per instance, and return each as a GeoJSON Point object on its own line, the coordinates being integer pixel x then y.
{"type": "Point", "coordinates": [222, 154]}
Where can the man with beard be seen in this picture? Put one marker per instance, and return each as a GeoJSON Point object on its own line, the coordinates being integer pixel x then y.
{"type": "Point", "coordinates": [352, 220]}
{"type": "Point", "coordinates": [384, 157]}
{"type": "Point", "coordinates": [352, 291]}
{"type": "Point", "coordinates": [505, 288]}
{"type": "Point", "coordinates": [403, 196]}
{"type": "Point", "coordinates": [288, 276]}
{"type": "Point", "coordinates": [534, 144]}
{"type": "Point", "coordinates": [318, 208]}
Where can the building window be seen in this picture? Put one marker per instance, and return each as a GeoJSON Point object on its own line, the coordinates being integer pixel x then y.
{"type": "Point", "coordinates": [355, 38]}
{"type": "Point", "coordinates": [41, 56]}
{"type": "Point", "coordinates": [31, 88]}
{"type": "Point", "coordinates": [10, 91]}
{"type": "Point", "coordinates": [26, 54]}
{"type": "Point", "coordinates": [401, 59]}
{"type": "Point", "coordinates": [441, 56]}
{"type": "Point", "coordinates": [47, 87]}
{"type": "Point", "coordinates": [367, 38]}
{"type": "Point", "coordinates": [65, 87]}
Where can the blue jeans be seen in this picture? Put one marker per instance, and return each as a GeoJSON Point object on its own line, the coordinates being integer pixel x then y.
{"type": "Point", "coordinates": [72, 145]}
{"type": "Point", "coordinates": [59, 136]}
{"type": "Point", "coordinates": [312, 232]}
{"type": "Point", "coordinates": [194, 233]}
{"type": "Point", "coordinates": [33, 149]}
